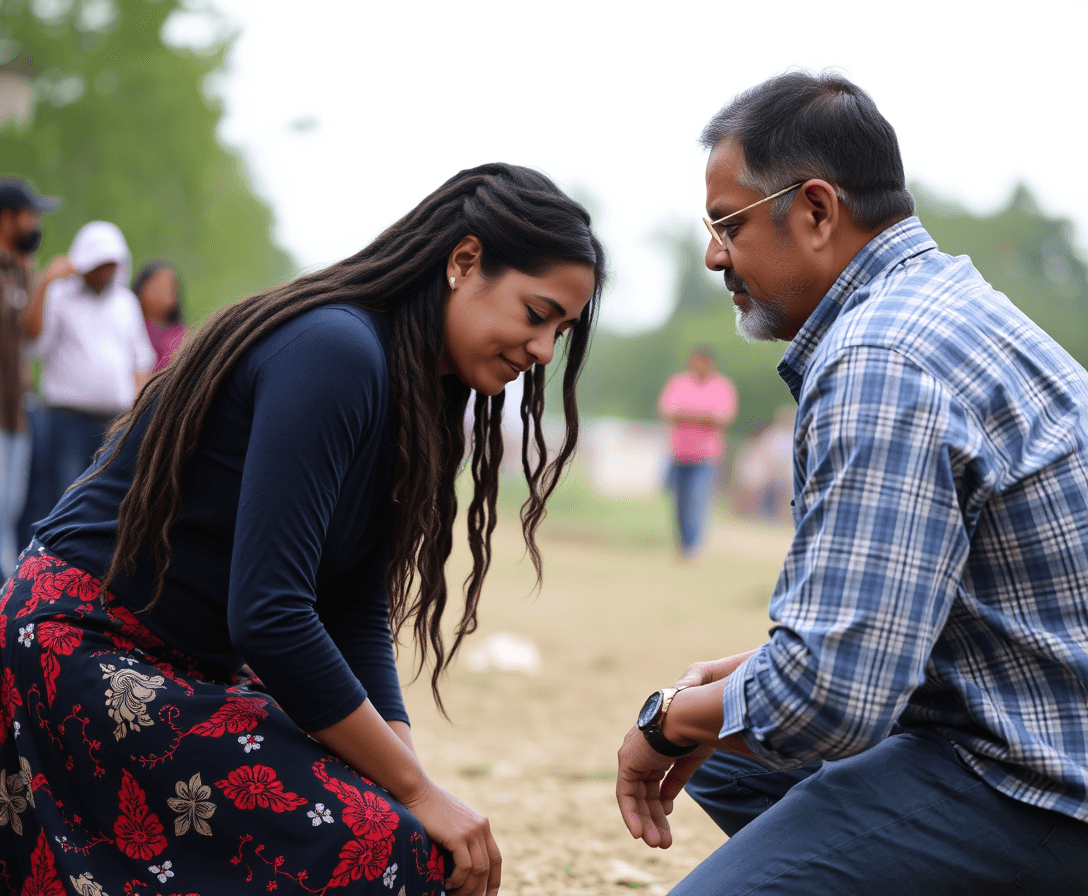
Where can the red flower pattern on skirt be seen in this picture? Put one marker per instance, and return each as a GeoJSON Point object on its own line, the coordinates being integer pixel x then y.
{"type": "Point", "coordinates": [43, 871]}
{"type": "Point", "coordinates": [237, 716]}
{"type": "Point", "coordinates": [361, 858]}
{"type": "Point", "coordinates": [33, 565]}
{"type": "Point", "coordinates": [138, 830]}
{"type": "Point", "coordinates": [257, 785]}
{"type": "Point", "coordinates": [94, 796]}
{"type": "Point", "coordinates": [78, 584]}
{"type": "Point", "coordinates": [436, 865]}
{"type": "Point", "coordinates": [367, 814]}
{"type": "Point", "coordinates": [57, 639]}
{"type": "Point", "coordinates": [9, 699]}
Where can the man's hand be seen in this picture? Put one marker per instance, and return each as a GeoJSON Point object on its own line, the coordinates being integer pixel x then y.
{"type": "Point", "coordinates": [710, 671]}
{"type": "Point", "coordinates": [644, 798]}
{"type": "Point", "coordinates": [59, 268]}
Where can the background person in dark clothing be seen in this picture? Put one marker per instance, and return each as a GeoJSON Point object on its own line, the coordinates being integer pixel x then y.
{"type": "Point", "coordinates": [20, 235]}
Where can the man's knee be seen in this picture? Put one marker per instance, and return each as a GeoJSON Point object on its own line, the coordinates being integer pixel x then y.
{"type": "Point", "coordinates": [733, 789]}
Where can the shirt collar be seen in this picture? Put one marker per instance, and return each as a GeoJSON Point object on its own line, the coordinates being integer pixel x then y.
{"type": "Point", "coordinates": [887, 249]}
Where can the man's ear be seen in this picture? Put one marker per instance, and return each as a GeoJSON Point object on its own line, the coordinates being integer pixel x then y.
{"type": "Point", "coordinates": [821, 213]}
{"type": "Point", "coordinates": [464, 258]}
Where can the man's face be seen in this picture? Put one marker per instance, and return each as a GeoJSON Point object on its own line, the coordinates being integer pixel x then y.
{"type": "Point", "coordinates": [774, 289]}
{"type": "Point", "coordinates": [19, 229]}
{"type": "Point", "coordinates": [99, 278]}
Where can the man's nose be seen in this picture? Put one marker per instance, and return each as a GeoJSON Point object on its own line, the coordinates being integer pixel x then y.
{"type": "Point", "coordinates": [717, 256]}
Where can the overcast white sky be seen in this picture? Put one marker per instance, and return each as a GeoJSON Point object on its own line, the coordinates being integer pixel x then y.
{"type": "Point", "coordinates": [350, 112]}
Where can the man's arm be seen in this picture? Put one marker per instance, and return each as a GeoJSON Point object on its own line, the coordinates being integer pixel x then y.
{"type": "Point", "coordinates": [59, 268]}
{"type": "Point", "coordinates": [874, 567]}
{"type": "Point", "coordinates": [647, 782]}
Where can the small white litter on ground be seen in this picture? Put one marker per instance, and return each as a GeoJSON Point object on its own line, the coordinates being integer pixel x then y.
{"type": "Point", "coordinates": [619, 872]}
{"type": "Point", "coordinates": [505, 652]}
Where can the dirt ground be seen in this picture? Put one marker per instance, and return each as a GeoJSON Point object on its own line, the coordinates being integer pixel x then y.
{"type": "Point", "coordinates": [536, 753]}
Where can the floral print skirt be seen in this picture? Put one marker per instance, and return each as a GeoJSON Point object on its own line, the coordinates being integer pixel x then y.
{"type": "Point", "coordinates": [128, 769]}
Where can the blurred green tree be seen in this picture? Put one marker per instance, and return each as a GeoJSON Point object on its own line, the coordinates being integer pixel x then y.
{"type": "Point", "coordinates": [125, 130]}
{"type": "Point", "coordinates": [1028, 256]}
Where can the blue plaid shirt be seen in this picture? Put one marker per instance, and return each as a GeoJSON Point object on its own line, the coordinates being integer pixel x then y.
{"type": "Point", "coordinates": [938, 577]}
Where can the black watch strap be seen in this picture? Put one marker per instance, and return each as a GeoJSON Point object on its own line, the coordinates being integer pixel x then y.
{"type": "Point", "coordinates": [652, 719]}
{"type": "Point", "coordinates": [664, 746]}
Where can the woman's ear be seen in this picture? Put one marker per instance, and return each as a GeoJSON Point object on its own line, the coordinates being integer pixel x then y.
{"type": "Point", "coordinates": [463, 260]}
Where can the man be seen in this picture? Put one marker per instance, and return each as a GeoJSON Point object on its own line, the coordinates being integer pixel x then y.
{"type": "Point", "coordinates": [698, 403]}
{"type": "Point", "coordinates": [20, 235]}
{"type": "Point", "coordinates": [917, 721]}
{"type": "Point", "coordinates": [95, 351]}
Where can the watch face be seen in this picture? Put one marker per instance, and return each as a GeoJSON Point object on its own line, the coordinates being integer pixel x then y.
{"type": "Point", "coordinates": [649, 709]}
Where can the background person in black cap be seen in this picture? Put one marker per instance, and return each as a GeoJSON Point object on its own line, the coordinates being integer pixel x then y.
{"type": "Point", "coordinates": [20, 236]}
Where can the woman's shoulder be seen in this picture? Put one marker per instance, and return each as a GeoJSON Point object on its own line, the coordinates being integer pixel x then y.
{"type": "Point", "coordinates": [331, 335]}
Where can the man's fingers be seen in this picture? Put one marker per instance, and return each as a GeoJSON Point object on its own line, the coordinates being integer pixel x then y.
{"type": "Point", "coordinates": [629, 814]}
{"type": "Point", "coordinates": [659, 823]}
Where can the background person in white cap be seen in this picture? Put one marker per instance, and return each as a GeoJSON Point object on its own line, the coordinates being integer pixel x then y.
{"type": "Point", "coordinates": [20, 236]}
{"type": "Point", "coordinates": [95, 351]}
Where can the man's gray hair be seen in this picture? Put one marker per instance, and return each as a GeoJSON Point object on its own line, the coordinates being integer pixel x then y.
{"type": "Point", "coordinates": [798, 126]}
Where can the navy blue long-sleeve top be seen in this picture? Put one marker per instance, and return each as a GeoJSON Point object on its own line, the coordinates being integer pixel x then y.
{"type": "Point", "coordinates": [280, 551]}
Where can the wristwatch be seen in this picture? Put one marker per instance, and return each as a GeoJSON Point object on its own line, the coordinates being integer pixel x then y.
{"type": "Point", "coordinates": [651, 718]}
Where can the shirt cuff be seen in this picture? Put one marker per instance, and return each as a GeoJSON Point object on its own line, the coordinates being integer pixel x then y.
{"type": "Point", "coordinates": [735, 715]}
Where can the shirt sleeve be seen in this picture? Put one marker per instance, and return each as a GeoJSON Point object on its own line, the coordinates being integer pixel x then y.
{"type": "Point", "coordinates": [52, 315]}
{"type": "Point", "coordinates": [668, 400]}
{"type": "Point", "coordinates": [355, 611]}
{"type": "Point", "coordinates": [873, 569]}
{"type": "Point", "coordinates": [315, 399]}
{"type": "Point", "coordinates": [143, 351]}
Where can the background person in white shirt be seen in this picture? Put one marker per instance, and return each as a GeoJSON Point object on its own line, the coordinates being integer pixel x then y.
{"type": "Point", "coordinates": [96, 355]}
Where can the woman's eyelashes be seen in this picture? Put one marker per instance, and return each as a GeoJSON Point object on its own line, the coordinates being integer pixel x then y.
{"type": "Point", "coordinates": [537, 319]}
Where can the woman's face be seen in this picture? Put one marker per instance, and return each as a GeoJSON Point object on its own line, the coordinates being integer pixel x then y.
{"type": "Point", "coordinates": [497, 329]}
{"type": "Point", "coordinates": [159, 295]}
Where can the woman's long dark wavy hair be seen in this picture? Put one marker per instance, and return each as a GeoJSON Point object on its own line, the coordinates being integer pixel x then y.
{"type": "Point", "coordinates": [524, 222]}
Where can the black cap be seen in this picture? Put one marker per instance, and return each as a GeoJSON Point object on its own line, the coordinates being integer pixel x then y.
{"type": "Point", "coordinates": [17, 194]}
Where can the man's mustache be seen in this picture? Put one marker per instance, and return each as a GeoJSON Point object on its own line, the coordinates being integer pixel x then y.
{"type": "Point", "coordinates": [735, 284]}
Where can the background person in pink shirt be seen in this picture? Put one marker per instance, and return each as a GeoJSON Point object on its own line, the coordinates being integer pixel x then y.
{"type": "Point", "coordinates": [699, 403]}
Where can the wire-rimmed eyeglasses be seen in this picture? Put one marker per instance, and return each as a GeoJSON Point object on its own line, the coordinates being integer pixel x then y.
{"type": "Point", "coordinates": [711, 225]}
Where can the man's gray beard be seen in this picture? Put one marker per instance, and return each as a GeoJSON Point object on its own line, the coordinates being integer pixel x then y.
{"type": "Point", "coordinates": [760, 321]}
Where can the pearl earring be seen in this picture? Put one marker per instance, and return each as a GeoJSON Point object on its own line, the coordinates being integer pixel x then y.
{"type": "Point", "coordinates": [451, 281]}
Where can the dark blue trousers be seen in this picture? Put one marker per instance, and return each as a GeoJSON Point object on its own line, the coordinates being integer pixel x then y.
{"type": "Point", "coordinates": [906, 817]}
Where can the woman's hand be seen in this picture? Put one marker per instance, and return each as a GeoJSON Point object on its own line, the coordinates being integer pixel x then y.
{"type": "Point", "coordinates": [466, 834]}
{"type": "Point", "coordinates": [382, 752]}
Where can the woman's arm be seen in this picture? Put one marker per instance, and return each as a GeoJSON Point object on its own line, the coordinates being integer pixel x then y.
{"type": "Point", "coordinates": [375, 750]}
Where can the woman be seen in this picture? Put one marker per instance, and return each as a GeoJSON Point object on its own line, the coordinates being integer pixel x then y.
{"type": "Point", "coordinates": [158, 288]}
{"type": "Point", "coordinates": [292, 466]}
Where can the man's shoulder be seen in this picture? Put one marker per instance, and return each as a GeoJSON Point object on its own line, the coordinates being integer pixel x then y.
{"type": "Point", "coordinates": [930, 300]}
{"type": "Point", "coordinates": [940, 316]}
